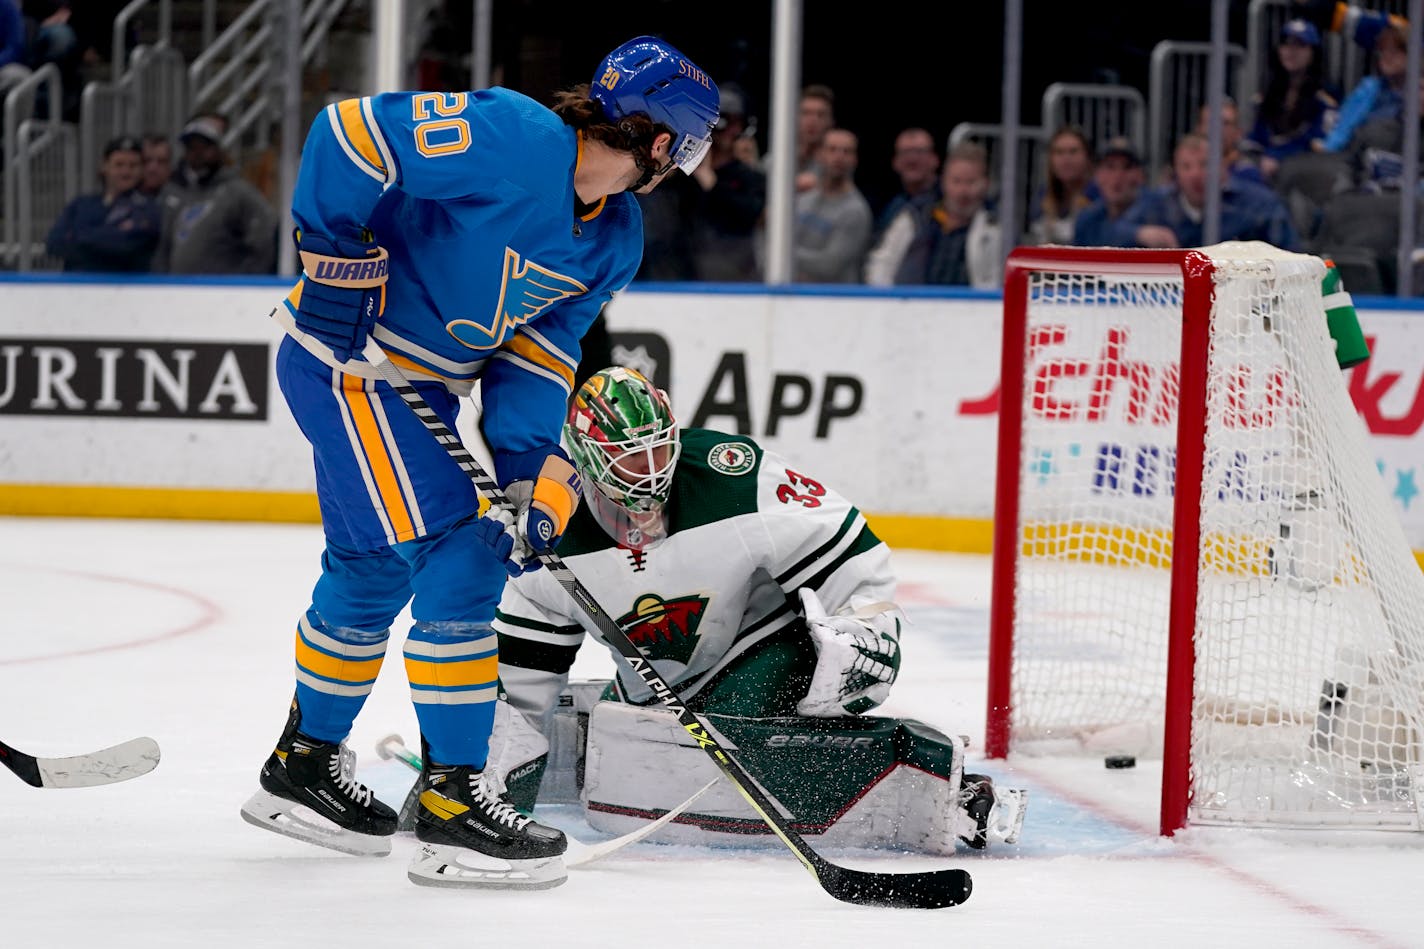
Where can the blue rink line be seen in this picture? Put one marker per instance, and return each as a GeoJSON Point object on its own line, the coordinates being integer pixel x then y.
{"type": "Point", "coordinates": [1053, 827]}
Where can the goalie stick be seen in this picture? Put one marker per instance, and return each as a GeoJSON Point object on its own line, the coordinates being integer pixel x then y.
{"type": "Point", "coordinates": [106, 766]}
{"type": "Point", "coordinates": [579, 853]}
{"type": "Point", "coordinates": [929, 889]}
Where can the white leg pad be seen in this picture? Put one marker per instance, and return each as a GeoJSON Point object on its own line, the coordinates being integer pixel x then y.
{"type": "Point", "coordinates": [642, 763]}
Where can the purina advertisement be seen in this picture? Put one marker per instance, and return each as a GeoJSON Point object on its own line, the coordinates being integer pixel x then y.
{"type": "Point", "coordinates": [158, 399]}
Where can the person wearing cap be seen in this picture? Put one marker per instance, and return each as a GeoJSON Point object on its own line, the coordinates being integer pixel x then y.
{"type": "Point", "coordinates": [1119, 178]}
{"type": "Point", "coordinates": [731, 199]}
{"type": "Point", "coordinates": [114, 230]}
{"type": "Point", "coordinates": [468, 236]}
{"type": "Point", "coordinates": [1295, 110]}
{"type": "Point", "coordinates": [214, 220]}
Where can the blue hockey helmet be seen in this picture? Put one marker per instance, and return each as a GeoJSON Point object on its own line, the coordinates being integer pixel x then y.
{"type": "Point", "coordinates": [649, 76]}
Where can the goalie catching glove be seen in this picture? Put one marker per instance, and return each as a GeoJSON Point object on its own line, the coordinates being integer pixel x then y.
{"type": "Point", "coordinates": [544, 488]}
{"type": "Point", "coordinates": [344, 292]}
{"type": "Point", "coordinates": [857, 657]}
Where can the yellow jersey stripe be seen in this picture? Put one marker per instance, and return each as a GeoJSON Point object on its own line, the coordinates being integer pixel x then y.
{"type": "Point", "coordinates": [354, 126]}
{"type": "Point", "coordinates": [379, 460]}
{"type": "Point", "coordinates": [343, 669]}
{"type": "Point", "coordinates": [450, 675]}
{"type": "Point", "coordinates": [532, 352]}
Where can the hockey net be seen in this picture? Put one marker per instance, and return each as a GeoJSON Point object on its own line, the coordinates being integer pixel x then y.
{"type": "Point", "coordinates": [1194, 552]}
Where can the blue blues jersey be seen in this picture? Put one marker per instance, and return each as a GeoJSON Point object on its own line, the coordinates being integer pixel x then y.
{"type": "Point", "coordinates": [493, 275]}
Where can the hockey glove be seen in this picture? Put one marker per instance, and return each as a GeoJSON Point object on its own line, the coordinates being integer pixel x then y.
{"type": "Point", "coordinates": [344, 291]}
{"type": "Point", "coordinates": [857, 658]}
{"type": "Point", "coordinates": [544, 486]}
{"type": "Point", "coordinates": [496, 531]}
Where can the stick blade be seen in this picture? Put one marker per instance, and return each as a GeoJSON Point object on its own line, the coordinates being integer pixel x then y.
{"type": "Point", "coordinates": [131, 759]}
{"type": "Point", "coordinates": [933, 889]}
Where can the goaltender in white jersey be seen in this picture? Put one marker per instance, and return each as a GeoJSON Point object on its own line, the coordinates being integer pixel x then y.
{"type": "Point", "coordinates": [766, 600]}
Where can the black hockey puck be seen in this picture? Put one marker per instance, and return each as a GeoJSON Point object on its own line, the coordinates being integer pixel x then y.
{"type": "Point", "coordinates": [1116, 762]}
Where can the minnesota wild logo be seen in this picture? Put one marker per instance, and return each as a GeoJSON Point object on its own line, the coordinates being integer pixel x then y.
{"type": "Point", "coordinates": [665, 629]}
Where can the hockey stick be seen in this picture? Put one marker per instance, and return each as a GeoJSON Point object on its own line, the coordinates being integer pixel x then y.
{"type": "Point", "coordinates": [579, 853]}
{"type": "Point", "coordinates": [930, 889]}
{"type": "Point", "coordinates": [106, 766]}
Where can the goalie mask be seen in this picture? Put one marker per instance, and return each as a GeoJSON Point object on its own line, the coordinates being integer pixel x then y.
{"type": "Point", "coordinates": [624, 439]}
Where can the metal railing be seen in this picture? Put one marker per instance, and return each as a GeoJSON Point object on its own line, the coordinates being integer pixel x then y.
{"type": "Point", "coordinates": [1100, 111]}
{"type": "Point", "coordinates": [1264, 19]}
{"type": "Point", "coordinates": [151, 97]}
{"type": "Point", "coordinates": [40, 167]}
{"type": "Point", "coordinates": [1032, 143]}
{"type": "Point", "coordinates": [119, 50]}
{"type": "Point", "coordinates": [1177, 90]}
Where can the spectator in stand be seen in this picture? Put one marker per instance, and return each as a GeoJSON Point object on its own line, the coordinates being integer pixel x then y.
{"type": "Point", "coordinates": [1239, 154]}
{"type": "Point", "coordinates": [1295, 110]}
{"type": "Point", "coordinates": [157, 163]}
{"type": "Point", "coordinates": [1067, 190]}
{"type": "Point", "coordinates": [731, 199]}
{"type": "Point", "coordinates": [667, 231]}
{"type": "Point", "coordinates": [917, 164]}
{"type": "Point", "coordinates": [954, 242]}
{"type": "Point", "coordinates": [14, 46]}
{"type": "Point", "coordinates": [214, 222]}
{"type": "Point", "coordinates": [115, 230]}
{"type": "Point", "coordinates": [1119, 178]}
{"type": "Point", "coordinates": [1378, 96]}
{"type": "Point", "coordinates": [815, 115]}
{"type": "Point", "coordinates": [832, 219]}
{"type": "Point", "coordinates": [1360, 226]}
{"type": "Point", "coordinates": [1171, 216]}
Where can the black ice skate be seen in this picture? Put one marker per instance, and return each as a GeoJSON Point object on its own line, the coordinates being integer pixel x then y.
{"type": "Point", "coordinates": [976, 800]}
{"type": "Point", "coordinates": [471, 837]}
{"type": "Point", "coordinates": [310, 792]}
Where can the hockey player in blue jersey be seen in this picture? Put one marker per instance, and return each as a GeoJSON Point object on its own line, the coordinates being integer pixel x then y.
{"type": "Point", "coordinates": [474, 236]}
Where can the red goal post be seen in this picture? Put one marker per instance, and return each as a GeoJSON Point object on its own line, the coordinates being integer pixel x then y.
{"type": "Point", "coordinates": [1165, 401]}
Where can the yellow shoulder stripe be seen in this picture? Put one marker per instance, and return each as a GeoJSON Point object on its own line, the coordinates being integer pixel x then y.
{"type": "Point", "coordinates": [349, 111]}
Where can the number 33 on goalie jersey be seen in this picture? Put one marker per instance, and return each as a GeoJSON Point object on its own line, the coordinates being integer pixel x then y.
{"type": "Point", "coordinates": [746, 531]}
{"type": "Point", "coordinates": [491, 271]}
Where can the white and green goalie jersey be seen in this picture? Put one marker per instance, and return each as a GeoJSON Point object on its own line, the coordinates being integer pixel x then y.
{"type": "Point", "coordinates": [746, 531]}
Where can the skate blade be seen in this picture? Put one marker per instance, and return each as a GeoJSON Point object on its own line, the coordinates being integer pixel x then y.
{"type": "Point", "coordinates": [462, 868]}
{"type": "Point", "coordinates": [300, 822]}
{"type": "Point", "coordinates": [1007, 817]}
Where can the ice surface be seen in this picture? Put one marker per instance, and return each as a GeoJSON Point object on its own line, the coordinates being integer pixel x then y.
{"type": "Point", "coordinates": [183, 631]}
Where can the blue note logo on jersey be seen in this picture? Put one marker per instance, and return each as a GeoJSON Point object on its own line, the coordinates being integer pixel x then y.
{"type": "Point", "coordinates": [526, 290]}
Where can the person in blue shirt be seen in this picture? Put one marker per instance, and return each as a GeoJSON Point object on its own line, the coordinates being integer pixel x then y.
{"type": "Point", "coordinates": [114, 230]}
{"type": "Point", "coordinates": [1119, 177]}
{"type": "Point", "coordinates": [1379, 96]}
{"type": "Point", "coordinates": [474, 236]}
{"type": "Point", "coordinates": [1171, 216]}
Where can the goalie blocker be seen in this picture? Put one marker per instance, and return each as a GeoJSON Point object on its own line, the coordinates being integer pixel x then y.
{"type": "Point", "coordinates": [865, 782]}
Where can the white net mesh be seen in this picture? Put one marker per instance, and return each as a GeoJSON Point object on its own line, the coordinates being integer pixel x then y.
{"type": "Point", "coordinates": [1309, 679]}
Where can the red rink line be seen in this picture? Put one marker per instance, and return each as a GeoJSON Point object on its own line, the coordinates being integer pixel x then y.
{"type": "Point", "coordinates": [1326, 916]}
{"type": "Point", "coordinates": [210, 614]}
